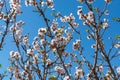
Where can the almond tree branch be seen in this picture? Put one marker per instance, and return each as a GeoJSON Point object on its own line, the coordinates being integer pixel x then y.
{"type": "Point", "coordinates": [106, 58]}
{"type": "Point", "coordinates": [46, 20]}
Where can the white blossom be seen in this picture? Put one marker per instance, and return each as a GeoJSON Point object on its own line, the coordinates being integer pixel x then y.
{"type": "Point", "coordinates": [66, 78]}
{"type": "Point", "coordinates": [35, 58]}
{"type": "Point", "coordinates": [48, 61]}
{"type": "Point", "coordinates": [118, 70]}
{"type": "Point", "coordinates": [49, 3]}
{"type": "Point", "coordinates": [26, 2]}
{"type": "Point", "coordinates": [42, 31]}
{"type": "Point", "coordinates": [12, 28]}
{"type": "Point", "coordinates": [79, 73]}
{"type": "Point", "coordinates": [79, 12]}
{"type": "Point", "coordinates": [15, 5]}
{"type": "Point", "coordinates": [30, 51]}
{"type": "Point", "coordinates": [117, 45]}
{"type": "Point", "coordinates": [1, 4]}
{"type": "Point", "coordinates": [100, 68]}
{"type": "Point", "coordinates": [90, 36]}
{"type": "Point", "coordinates": [90, 1]}
{"type": "Point", "coordinates": [76, 44]}
{"type": "Point", "coordinates": [93, 46]}
{"type": "Point", "coordinates": [105, 25]}
{"type": "Point", "coordinates": [12, 53]}
{"type": "Point", "coordinates": [107, 1]}
{"type": "Point", "coordinates": [25, 40]}
{"type": "Point", "coordinates": [36, 45]}
{"type": "Point", "coordinates": [42, 41]}
{"type": "Point", "coordinates": [108, 76]}
{"type": "Point", "coordinates": [18, 32]}
{"type": "Point", "coordinates": [15, 55]}
{"type": "Point", "coordinates": [59, 70]}
{"type": "Point", "coordinates": [16, 73]}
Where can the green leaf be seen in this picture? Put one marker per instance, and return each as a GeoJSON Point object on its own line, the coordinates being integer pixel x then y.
{"type": "Point", "coordinates": [54, 52]}
{"type": "Point", "coordinates": [0, 65]}
{"type": "Point", "coordinates": [79, 62]}
{"type": "Point", "coordinates": [117, 36]}
{"type": "Point", "coordinates": [52, 77]}
{"type": "Point", "coordinates": [96, 9]}
{"type": "Point", "coordinates": [116, 19]}
{"type": "Point", "coordinates": [5, 71]}
{"type": "Point", "coordinates": [53, 12]}
{"type": "Point", "coordinates": [87, 30]}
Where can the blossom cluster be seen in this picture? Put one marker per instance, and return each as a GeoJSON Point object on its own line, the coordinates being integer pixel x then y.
{"type": "Point", "coordinates": [15, 6]}
{"type": "Point", "coordinates": [70, 19]}
{"type": "Point", "coordinates": [76, 44]}
{"type": "Point", "coordinates": [16, 29]}
{"type": "Point", "coordinates": [105, 24]}
{"type": "Point", "coordinates": [59, 70]}
{"type": "Point", "coordinates": [79, 73]}
{"type": "Point", "coordinates": [89, 17]}
{"type": "Point", "coordinates": [117, 45]}
{"type": "Point", "coordinates": [47, 55]}
{"type": "Point", "coordinates": [48, 3]}
{"type": "Point", "coordinates": [15, 55]}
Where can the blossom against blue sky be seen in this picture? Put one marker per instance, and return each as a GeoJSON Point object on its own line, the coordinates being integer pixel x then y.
{"type": "Point", "coordinates": [33, 22]}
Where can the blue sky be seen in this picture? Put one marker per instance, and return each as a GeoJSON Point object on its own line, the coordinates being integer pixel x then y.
{"type": "Point", "coordinates": [33, 22]}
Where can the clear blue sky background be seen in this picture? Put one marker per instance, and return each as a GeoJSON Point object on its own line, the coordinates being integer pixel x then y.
{"type": "Point", "coordinates": [65, 7]}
